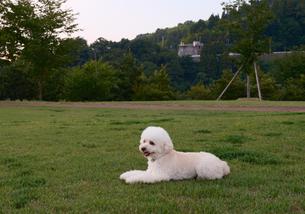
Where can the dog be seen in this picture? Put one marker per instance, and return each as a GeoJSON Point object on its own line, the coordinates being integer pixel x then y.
{"type": "Point", "coordinates": [164, 163]}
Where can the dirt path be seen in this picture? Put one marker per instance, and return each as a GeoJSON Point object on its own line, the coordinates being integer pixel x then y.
{"type": "Point", "coordinates": [210, 106]}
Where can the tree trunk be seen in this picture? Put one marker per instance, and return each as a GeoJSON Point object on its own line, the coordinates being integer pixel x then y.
{"type": "Point", "coordinates": [248, 87]}
{"type": "Point", "coordinates": [40, 89]}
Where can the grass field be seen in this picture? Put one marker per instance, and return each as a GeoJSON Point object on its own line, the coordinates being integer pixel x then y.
{"type": "Point", "coordinates": [55, 160]}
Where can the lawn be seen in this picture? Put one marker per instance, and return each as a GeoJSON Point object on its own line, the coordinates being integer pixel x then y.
{"type": "Point", "coordinates": [55, 160]}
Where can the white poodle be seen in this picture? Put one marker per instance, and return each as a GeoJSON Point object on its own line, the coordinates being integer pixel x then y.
{"type": "Point", "coordinates": [164, 163]}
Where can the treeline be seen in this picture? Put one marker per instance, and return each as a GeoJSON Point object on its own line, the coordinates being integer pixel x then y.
{"type": "Point", "coordinates": [92, 81]}
{"type": "Point", "coordinates": [285, 80]}
{"type": "Point", "coordinates": [36, 63]}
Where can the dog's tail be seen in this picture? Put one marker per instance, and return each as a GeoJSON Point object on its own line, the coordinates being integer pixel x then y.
{"type": "Point", "coordinates": [226, 168]}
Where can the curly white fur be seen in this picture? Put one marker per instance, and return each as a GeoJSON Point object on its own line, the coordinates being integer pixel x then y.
{"type": "Point", "coordinates": [164, 163]}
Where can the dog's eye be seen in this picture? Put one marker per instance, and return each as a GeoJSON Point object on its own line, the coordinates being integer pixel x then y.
{"type": "Point", "coordinates": [151, 143]}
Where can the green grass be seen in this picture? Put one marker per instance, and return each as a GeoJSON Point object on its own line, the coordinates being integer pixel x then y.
{"type": "Point", "coordinates": [237, 102]}
{"type": "Point", "coordinates": [55, 160]}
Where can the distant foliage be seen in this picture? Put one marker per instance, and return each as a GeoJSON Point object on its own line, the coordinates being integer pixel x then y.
{"type": "Point", "coordinates": [292, 66]}
{"type": "Point", "coordinates": [92, 81]}
{"type": "Point", "coordinates": [36, 63]}
{"type": "Point", "coordinates": [17, 82]}
{"type": "Point", "coordinates": [236, 90]}
{"type": "Point", "coordinates": [155, 87]}
{"type": "Point", "coordinates": [130, 71]}
{"type": "Point", "coordinates": [199, 92]}
{"type": "Point", "coordinates": [294, 89]}
{"type": "Point", "coordinates": [289, 74]}
{"type": "Point", "coordinates": [269, 88]}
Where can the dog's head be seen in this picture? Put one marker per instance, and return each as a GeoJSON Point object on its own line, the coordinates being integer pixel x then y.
{"type": "Point", "coordinates": [155, 142]}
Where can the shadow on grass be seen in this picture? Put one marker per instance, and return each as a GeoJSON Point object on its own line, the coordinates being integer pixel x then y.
{"type": "Point", "coordinates": [237, 139]}
{"type": "Point", "coordinates": [288, 122]}
{"type": "Point", "coordinates": [272, 134]}
{"type": "Point", "coordinates": [136, 122]}
{"type": "Point", "coordinates": [128, 122]}
{"type": "Point", "coordinates": [11, 163]}
{"type": "Point", "coordinates": [202, 131]}
{"type": "Point", "coordinates": [251, 157]}
{"type": "Point", "coordinates": [162, 120]}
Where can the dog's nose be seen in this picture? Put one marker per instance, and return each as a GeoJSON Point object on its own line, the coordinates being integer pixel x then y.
{"type": "Point", "coordinates": [143, 149]}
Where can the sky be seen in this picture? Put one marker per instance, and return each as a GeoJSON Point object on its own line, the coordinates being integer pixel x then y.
{"type": "Point", "coordinates": [117, 19]}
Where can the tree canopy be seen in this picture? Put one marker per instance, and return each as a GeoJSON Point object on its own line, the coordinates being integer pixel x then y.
{"type": "Point", "coordinates": [32, 30]}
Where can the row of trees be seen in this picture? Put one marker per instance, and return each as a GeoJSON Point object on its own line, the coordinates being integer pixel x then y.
{"type": "Point", "coordinates": [274, 85]}
{"type": "Point", "coordinates": [94, 80]}
{"type": "Point", "coordinates": [36, 62]}
{"type": "Point", "coordinates": [100, 81]}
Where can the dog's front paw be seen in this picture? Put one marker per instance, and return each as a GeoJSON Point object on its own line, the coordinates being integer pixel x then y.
{"type": "Point", "coordinates": [131, 173]}
{"type": "Point", "coordinates": [128, 177]}
{"type": "Point", "coordinates": [129, 180]}
{"type": "Point", "coordinates": [124, 176]}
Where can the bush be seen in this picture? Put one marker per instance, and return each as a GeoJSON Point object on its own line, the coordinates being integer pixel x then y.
{"type": "Point", "coordinates": [269, 89]}
{"type": "Point", "coordinates": [95, 81]}
{"type": "Point", "coordinates": [155, 87]}
{"type": "Point", "coordinates": [291, 66]}
{"type": "Point", "coordinates": [294, 89]}
{"type": "Point", "coordinates": [55, 85]}
{"type": "Point", "coordinates": [199, 92]}
{"type": "Point", "coordinates": [289, 73]}
{"type": "Point", "coordinates": [16, 81]}
{"type": "Point", "coordinates": [236, 90]}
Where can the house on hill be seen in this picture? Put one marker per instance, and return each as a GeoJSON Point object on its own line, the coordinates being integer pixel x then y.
{"type": "Point", "coordinates": [193, 50]}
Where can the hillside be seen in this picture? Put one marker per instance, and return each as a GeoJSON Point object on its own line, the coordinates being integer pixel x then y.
{"type": "Point", "coordinates": [287, 29]}
{"type": "Point", "coordinates": [286, 32]}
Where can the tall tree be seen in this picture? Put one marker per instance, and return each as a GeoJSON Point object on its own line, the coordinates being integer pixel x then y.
{"type": "Point", "coordinates": [130, 76]}
{"type": "Point", "coordinates": [246, 22]}
{"type": "Point", "coordinates": [33, 30]}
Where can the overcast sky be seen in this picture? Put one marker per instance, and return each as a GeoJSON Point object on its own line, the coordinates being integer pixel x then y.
{"type": "Point", "coordinates": [117, 19]}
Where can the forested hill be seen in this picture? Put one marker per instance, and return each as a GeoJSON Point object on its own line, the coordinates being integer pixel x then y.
{"type": "Point", "coordinates": [286, 32]}
{"type": "Point", "coordinates": [287, 29]}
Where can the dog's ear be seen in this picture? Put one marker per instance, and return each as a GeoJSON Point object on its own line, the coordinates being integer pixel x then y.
{"type": "Point", "coordinates": [167, 147]}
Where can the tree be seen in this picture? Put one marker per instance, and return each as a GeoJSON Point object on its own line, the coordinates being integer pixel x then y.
{"type": "Point", "coordinates": [287, 30]}
{"type": "Point", "coordinates": [289, 73]}
{"type": "Point", "coordinates": [130, 72]}
{"type": "Point", "coordinates": [74, 51]}
{"type": "Point", "coordinates": [246, 22]}
{"type": "Point", "coordinates": [16, 81]}
{"type": "Point", "coordinates": [155, 87]}
{"type": "Point", "coordinates": [94, 81]}
{"type": "Point", "coordinates": [291, 66]}
{"type": "Point", "coordinates": [33, 30]}
{"type": "Point", "coordinates": [235, 91]}
{"type": "Point", "coordinates": [294, 89]}
{"type": "Point", "coordinates": [199, 92]}
{"type": "Point", "coordinates": [268, 86]}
